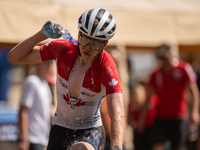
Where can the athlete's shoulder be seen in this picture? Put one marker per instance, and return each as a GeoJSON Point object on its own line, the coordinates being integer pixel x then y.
{"type": "Point", "coordinates": [59, 43]}
{"type": "Point", "coordinates": [187, 69]}
{"type": "Point", "coordinates": [105, 54]}
{"type": "Point", "coordinates": [182, 64]}
{"type": "Point", "coordinates": [56, 48]}
{"type": "Point", "coordinates": [105, 58]}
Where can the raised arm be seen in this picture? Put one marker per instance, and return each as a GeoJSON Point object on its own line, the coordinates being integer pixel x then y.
{"type": "Point", "coordinates": [116, 113]}
{"type": "Point", "coordinates": [27, 52]}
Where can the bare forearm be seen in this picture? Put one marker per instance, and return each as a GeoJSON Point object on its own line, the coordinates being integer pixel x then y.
{"type": "Point", "coordinates": [117, 117]}
{"type": "Point", "coordinates": [24, 48]}
{"type": "Point", "coordinates": [117, 129]}
{"type": "Point", "coordinates": [195, 93]}
{"type": "Point", "coordinates": [195, 103]}
{"type": "Point", "coordinates": [23, 125]}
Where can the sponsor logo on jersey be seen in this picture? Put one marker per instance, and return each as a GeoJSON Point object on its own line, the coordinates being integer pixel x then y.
{"type": "Point", "coordinates": [65, 68]}
{"type": "Point", "coordinates": [84, 93]}
{"type": "Point", "coordinates": [177, 74]}
{"type": "Point", "coordinates": [73, 104]}
{"type": "Point", "coordinates": [110, 71]}
{"type": "Point", "coordinates": [64, 85]}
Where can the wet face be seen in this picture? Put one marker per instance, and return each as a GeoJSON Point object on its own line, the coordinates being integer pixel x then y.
{"type": "Point", "coordinates": [90, 47]}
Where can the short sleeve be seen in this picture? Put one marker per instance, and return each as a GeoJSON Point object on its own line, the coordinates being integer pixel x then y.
{"type": "Point", "coordinates": [53, 49]}
{"type": "Point", "coordinates": [28, 92]}
{"type": "Point", "coordinates": [190, 74]}
{"type": "Point", "coordinates": [110, 76]}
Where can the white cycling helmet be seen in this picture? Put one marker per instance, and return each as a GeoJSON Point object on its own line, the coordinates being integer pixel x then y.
{"type": "Point", "coordinates": [105, 27]}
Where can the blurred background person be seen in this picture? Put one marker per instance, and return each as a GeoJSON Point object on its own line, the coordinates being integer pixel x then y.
{"type": "Point", "coordinates": [35, 110]}
{"type": "Point", "coordinates": [141, 140]}
{"type": "Point", "coordinates": [193, 137]}
{"type": "Point", "coordinates": [170, 81]}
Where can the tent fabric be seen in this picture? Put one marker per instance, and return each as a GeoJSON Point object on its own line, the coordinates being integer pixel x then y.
{"type": "Point", "coordinates": [139, 22]}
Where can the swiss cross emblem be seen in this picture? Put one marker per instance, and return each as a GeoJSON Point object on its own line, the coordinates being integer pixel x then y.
{"type": "Point", "coordinates": [113, 82]}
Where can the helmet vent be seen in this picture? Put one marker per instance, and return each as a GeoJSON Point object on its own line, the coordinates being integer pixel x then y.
{"type": "Point", "coordinates": [106, 23]}
{"type": "Point", "coordinates": [97, 20]}
{"type": "Point", "coordinates": [113, 29]}
{"type": "Point", "coordinates": [88, 18]}
{"type": "Point", "coordinates": [81, 28]}
{"type": "Point", "coordinates": [100, 14]}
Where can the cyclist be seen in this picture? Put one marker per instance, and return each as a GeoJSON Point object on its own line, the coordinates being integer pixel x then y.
{"type": "Point", "coordinates": [86, 73]}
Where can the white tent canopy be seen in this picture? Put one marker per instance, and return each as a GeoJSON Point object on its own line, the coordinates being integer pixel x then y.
{"type": "Point", "coordinates": [139, 22]}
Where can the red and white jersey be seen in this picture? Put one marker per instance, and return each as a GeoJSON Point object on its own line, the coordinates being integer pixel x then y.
{"type": "Point", "coordinates": [99, 80]}
{"type": "Point", "coordinates": [170, 87]}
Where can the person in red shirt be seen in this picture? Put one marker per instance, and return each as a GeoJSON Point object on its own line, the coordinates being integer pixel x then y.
{"type": "Point", "coordinates": [141, 140]}
{"type": "Point", "coordinates": [170, 81]}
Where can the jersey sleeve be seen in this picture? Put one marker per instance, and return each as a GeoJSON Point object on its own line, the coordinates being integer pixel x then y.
{"type": "Point", "coordinates": [110, 76]}
{"type": "Point", "coordinates": [190, 74]}
{"type": "Point", "coordinates": [28, 92]}
{"type": "Point", "coordinates": [53, 49]}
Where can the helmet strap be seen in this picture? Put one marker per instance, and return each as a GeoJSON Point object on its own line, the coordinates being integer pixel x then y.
{"type": "Point", "coordinates": [79, 53]}
{"type": "Point", "coordinates": [98, 53]}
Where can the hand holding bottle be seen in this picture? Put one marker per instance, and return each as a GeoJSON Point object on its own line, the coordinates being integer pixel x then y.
{"type": "Point", "coordinates": [52, 30]}
{"type": "Point", "coordinates": [55, 30]}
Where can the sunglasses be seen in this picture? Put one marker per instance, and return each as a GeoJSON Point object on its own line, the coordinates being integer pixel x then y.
{"type": "Point", "coordinates": [95, 45]}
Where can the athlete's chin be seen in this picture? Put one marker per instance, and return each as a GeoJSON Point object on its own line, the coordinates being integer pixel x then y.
{"type": "Point", "coordinates": [86, 55]}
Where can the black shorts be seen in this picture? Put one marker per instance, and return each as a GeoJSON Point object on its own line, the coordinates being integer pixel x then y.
{"type": "Point", "coordinates": [174, 130]}
{"type": "Point", "coordinates": [34, 146]}
{"type": "Point", "coordinates": [62, 138]}
{"type": "Point", "coordinates": [144, 140]}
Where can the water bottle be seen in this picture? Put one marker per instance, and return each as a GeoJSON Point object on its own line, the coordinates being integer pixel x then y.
{"type": "Point", "coordinates": [49, 32]}
{"type": "Point", "coordinates": [67, 36]}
